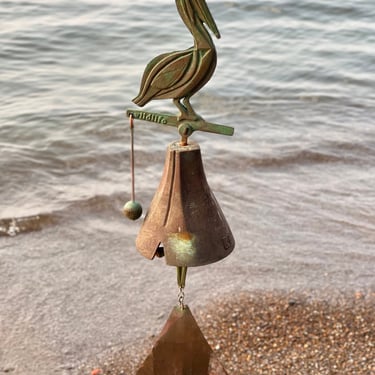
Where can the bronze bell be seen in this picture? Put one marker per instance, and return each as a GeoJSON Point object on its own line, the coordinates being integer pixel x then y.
{"type": "Point", "coordinates": [185, 222]}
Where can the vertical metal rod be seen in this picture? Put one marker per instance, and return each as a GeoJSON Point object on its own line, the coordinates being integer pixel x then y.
{"type": "Point", "coordinates": [131, 121]}
{"type": "Point", "coordinates": [132, 209]}
{"type": "Point", "coordinates": [181, 276]}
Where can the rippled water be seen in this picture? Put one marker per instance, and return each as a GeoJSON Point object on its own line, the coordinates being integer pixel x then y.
{"type": "Point", "coordinates": [295, 78]}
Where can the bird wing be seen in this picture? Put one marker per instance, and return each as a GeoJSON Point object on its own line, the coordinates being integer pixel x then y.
{"type": "Point", "coordinates": [172, 72]}
{"type": "Point", "coordinates": [149, 73]}
{"type": "Point", "coordinates": [161, 73]}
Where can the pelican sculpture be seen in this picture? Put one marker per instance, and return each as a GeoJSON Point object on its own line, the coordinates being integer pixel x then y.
{"type": "Point", "coordinates": [179, 75]}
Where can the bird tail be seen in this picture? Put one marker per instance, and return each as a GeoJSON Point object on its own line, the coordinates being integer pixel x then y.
{"type": "Point", "coordinates": [139, 100]}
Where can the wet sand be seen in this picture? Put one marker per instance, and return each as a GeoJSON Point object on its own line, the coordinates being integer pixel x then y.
{"type": "Point", "coordinates": [277, 333]}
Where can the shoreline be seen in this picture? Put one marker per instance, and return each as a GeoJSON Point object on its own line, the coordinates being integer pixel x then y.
{"type": "Point", "coordinates": [76, 295]}
{"type": "Point", "coordinates": [275, 332]}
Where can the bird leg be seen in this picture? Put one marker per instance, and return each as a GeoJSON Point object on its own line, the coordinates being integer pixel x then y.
{"type": "Point", "coordinates": [186, 110]}
{"type": "Point", "coordinates": [182, 109]}
{"type": "Point", "coordinates": [191, 113]}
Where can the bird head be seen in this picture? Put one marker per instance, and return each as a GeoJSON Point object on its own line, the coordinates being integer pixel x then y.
{"type": "Point", "coordinates": [204, 14]}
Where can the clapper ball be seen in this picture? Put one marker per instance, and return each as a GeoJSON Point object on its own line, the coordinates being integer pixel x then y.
{"type": "Point", "coordinates": [132, 210]}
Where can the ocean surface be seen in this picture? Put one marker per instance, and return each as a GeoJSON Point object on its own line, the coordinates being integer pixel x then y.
{"type": "Point", "coordinates": [295, 78]}
{"type": "Point", "coordinates": [296, 182]}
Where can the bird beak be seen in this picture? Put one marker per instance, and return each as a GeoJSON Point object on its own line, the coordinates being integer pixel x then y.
{"type": "Point", "coordinates": [206, 16]}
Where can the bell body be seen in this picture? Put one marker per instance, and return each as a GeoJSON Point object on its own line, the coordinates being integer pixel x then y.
{"type": "Point", "coordinates": [184, 222]}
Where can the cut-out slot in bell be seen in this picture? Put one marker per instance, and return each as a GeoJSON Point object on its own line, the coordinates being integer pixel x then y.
{"type": "Point", "coordinates": [184, 215]}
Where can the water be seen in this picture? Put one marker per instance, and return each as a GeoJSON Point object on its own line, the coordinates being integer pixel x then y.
{"type": "Point", "coordinates": [294, 78]}
{"type": "Point", "coordinates": [296, 182]}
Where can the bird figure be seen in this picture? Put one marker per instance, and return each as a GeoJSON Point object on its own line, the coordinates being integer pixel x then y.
{"type": "Point", "coordinates": [179, 75]}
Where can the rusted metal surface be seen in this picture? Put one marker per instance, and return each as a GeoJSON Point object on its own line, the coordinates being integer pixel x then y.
{"type": "Point", "coordinates": [181, 349]}
{"type": "Point", "coordinates": [185, 222]}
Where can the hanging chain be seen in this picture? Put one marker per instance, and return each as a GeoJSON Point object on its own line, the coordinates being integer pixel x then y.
{"type": "Point", "coordinates": [181, 298]}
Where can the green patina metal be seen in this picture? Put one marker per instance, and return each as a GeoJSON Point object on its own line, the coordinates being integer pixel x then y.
{"type": "Point", "coordinates": [178, 75]}
{"type": "Point", "coordinates": [183, 125]}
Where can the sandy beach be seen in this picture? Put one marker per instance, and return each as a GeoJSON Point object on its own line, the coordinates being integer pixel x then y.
{"type": "Point", "coordinates": [277, 333]}
{"type": "Point", "coordinates": [73, 300]}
